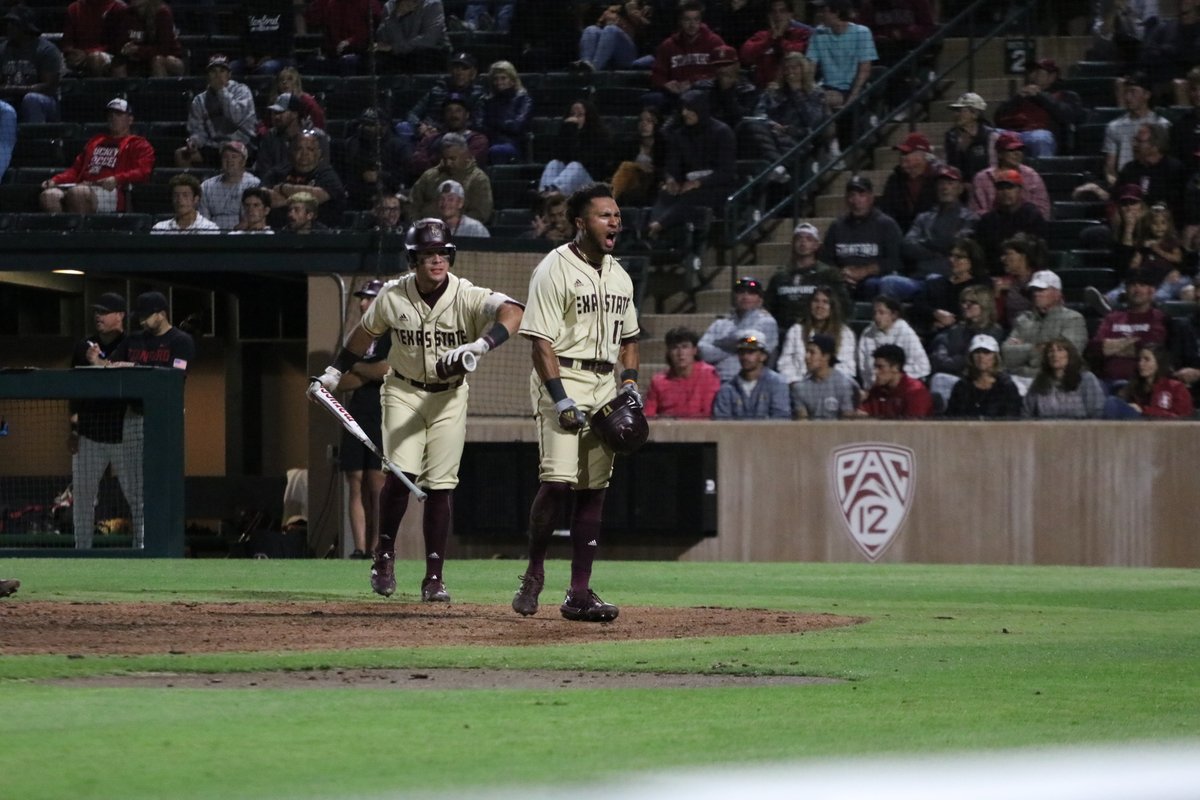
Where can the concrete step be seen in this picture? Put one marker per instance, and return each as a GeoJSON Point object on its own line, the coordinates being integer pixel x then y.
{"type": "Point", "coordinates": [714, 301]}
{"type": "Point", "coordinates": [655, 326]}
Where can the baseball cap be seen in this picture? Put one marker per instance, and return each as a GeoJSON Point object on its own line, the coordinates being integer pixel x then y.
{"type": "Point", "coordinates": [109, 302]}
{"type": "Point", "coordinates": [237, 147]}
{"type": "Point", "coordinates": [970, 100]}
{"type": "Point", "coordinates": [1009, 141]}
{"type": "Point", "coordinates": [464, 58]}
{"type": "Point", "coordinates": [1048, 64]}
{"type": "Point", "coordinates": [751, 339]}
{"type": "Point", "coordinates": [148, 303]}
{"type": "Point", "coordinates": [860, 183]}
{"type": "Point", "coordinates": [1045, 279]}
{"type": "Point", "coordinates": [370, 289]}
{"type": "Point", "coordinates": [218, 60]}
{"type": "Point", "coordinates": [827, 345]}
{"type": "Point", "coordinates": [806, 229]}
{"type": "Point", "coordinates": [948, 171]}
{"type": "Point", "coordinates": [915, 141]}
{"type": "Point", "coordinates": [748, 284]}
{"type": "Point", "coordinates": [120, 105]}
{"type": "Point", "coordinates": [723, 55]}
{"type": "Point", "coordinates": [286, 102]}
{"type": "Point", "coordinates": [451, 187]}
{"type": "Point", "coordinates": [984, 342]}
{"type": "Point", "coordinates": [1130, 191]}
{"type": "Point", "coordinates": [1008, 176]}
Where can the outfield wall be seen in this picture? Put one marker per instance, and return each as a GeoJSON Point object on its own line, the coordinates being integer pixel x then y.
{"type": "Point", "coordinates": [1076, 493]}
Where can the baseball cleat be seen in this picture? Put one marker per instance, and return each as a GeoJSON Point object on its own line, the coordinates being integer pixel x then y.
{"type": "Point", "coordinates": [588, 608]}
{"type": "Point", "coordinates": [434, 591]}
{"type": "Point", "coordinates": [8, 587]}
{"type": "Point", "coordinates": [525, 601]}
{"type": "Point", "coordinates": [383, 574]}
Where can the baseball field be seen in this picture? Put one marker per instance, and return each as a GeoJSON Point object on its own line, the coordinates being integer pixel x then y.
{"type": "Point", "coordinates": [288, 679]}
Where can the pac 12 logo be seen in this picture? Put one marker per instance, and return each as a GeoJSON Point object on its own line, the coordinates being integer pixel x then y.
{"type": "Point", "coordinates": [873, 484]}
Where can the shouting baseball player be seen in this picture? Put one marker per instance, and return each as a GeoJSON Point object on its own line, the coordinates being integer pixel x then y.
{"type": "Point", "coordinates": [581, 320]}
{"type": "Point", "coordinates": [440, 325]}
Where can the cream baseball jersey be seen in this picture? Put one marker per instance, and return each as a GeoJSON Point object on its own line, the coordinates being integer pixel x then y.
{"type": "Point", "coordinates": [420, 334]}
{"type": "Point", "coordinates": [585, 312]}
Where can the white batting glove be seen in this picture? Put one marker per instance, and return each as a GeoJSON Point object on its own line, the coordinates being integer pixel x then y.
{"type": "Point", "coordinates": [476, 349]}
{"type": "Point", "coordinates": [631, 388]}
{"type": "Point", "coordinates": [330, 379]}
{"type": "Point", "coordinates": [570, 418]}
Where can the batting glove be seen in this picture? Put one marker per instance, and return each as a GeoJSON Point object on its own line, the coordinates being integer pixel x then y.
{"type": "Point", "coordinates": [329, 379]}
{"type": "Point", "coordinates": [476, 349]}
{"type": "Point", "coordinates": [631, 388]}
{"type": "Point", "coordinates": [570, 418]}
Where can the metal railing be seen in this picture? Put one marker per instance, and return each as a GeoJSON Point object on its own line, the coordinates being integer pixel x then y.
{"type": "Point", "coordinates": [746, 212]}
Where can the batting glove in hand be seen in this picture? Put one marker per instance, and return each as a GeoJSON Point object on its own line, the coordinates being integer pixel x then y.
{"type": "Point", "coordinates": [570, 418]}
{"type": "Point", "coordinates": [329, 379]}
{"type": "Point", "coordinates": [631, 388]}
{"type": "Point", "coordinates": [476, 349]}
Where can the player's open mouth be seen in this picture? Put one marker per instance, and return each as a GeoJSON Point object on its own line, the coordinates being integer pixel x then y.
{"type": "Point", "coordinates": [610, 238]}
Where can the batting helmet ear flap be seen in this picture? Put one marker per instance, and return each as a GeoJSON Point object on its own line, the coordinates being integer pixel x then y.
{"type": "Point", "coordinates": [620, 424]}
{"type": "Point", "coordinates": [428, 234]}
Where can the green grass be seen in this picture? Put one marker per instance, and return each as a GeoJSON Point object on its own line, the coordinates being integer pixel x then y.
{"type": "Point", "coordinates": [952, 658]}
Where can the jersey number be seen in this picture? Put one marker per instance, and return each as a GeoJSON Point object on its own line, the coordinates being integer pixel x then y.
{"type": "Point", "coordinates": [617, 332]}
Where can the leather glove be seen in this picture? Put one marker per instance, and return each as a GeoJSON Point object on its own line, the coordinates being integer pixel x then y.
{"type": "Point", "coordinates": [631, 388]}
{"type": "Point", "coordinates": [329, 379]}
{"type": "Point", "coordinates": [570, 418]}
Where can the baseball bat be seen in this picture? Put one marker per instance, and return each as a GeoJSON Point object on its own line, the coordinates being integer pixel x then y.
{"type": "Point", "coordinates": [326, 400]}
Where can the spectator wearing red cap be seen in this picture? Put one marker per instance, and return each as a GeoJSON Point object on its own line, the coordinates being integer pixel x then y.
{"type": "Point", "coordinates": [1011, 214]}
{"type": "Point", "coordinates": [731, 98]}
{"type": "Point", "coordinates": [763, 52]}
{"type": "Point", "coordinates": [1042, 112]}
{"type": "Point", "coordinates": [684, 57]}
{"type": "Point", "coordinates": [1010, 155]}
{"type": "Point", "coordinates": [223, 112]}
{"type": "Point", "coordinates": [912, 187]}
{"type": "Point", "coordinates": [931, 237]}
{"type": "Point", "coordinates": [970, 144]}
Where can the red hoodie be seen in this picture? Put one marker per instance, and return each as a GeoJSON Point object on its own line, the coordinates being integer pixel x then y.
{"type": "Point", "coordinates": [85, 26]}
{"type": "Point", "coordinates": [129, 159]}
{"type": "Point", "coordinates": [678, 59]}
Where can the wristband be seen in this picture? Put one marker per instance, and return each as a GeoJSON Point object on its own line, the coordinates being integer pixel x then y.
{"type": "Point", "coordinates": [629, 376]}
{"type": "Point", "coordinates": [496, 336]}
{"type": "Point", "coordinates": [555, 388]}
{"type": "Point", "coordinates": [345, 360]}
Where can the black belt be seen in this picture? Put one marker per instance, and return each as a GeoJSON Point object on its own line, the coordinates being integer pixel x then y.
{"type": "Point", "coordinates": [431, 387]}
{"type": "Point", "coordinates": [599, 367]}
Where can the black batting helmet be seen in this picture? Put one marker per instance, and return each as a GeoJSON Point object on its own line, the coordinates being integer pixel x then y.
{"type": "Point", "coordinates": [620, 424]}
{"type": "Point", "coordinates": [426, 235]}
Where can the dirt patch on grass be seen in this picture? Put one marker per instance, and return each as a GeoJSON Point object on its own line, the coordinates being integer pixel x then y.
{"type": "Point", "coordinates": [93, 629]}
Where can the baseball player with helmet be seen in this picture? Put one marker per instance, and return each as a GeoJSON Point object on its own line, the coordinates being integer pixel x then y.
{"type": "Point", "coordinates": [581, 320]}
{"type": "Point", "coordinates": [439, 325]}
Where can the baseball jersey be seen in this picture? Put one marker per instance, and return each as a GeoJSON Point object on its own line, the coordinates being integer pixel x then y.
{"type": "Point", "coordinates": [421, 334]}
{"type": "Point", "coordinates": [584, 312]}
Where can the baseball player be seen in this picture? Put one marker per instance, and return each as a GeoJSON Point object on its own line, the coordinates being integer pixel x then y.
{"type": "Point", "coordinates": [581, 320]}
{"type": "Point", "coordinates": [439, 326]}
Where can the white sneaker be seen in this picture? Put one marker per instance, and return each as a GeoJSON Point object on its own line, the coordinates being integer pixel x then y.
{"type": "Point", "coordinates": [780, 175]}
